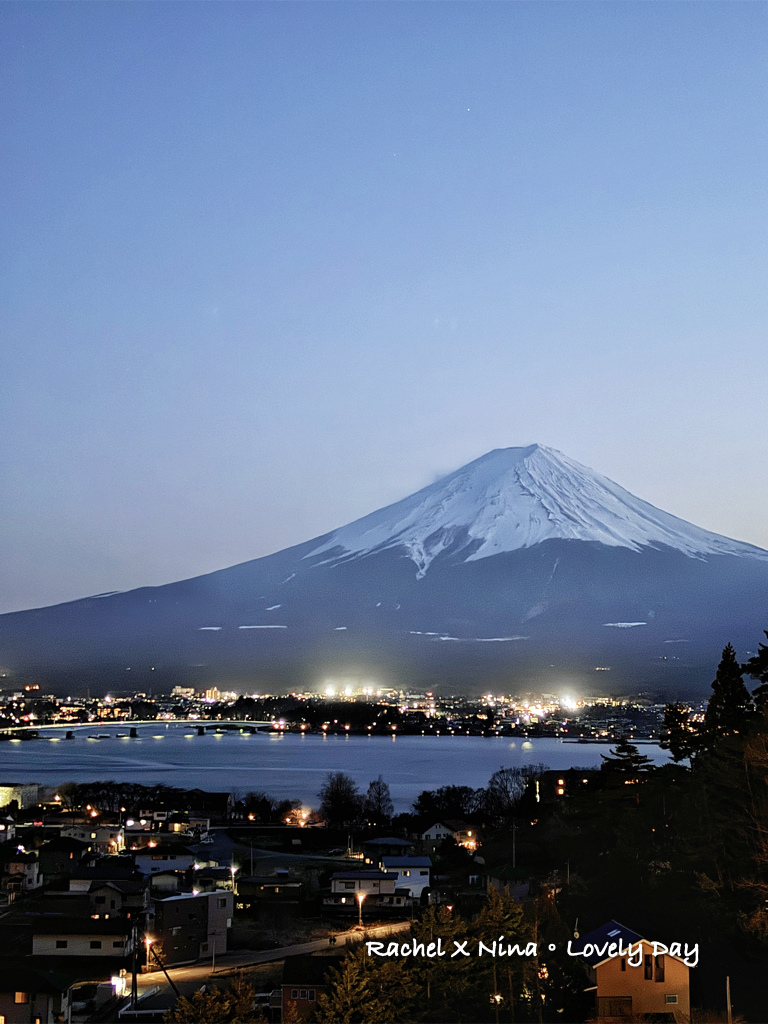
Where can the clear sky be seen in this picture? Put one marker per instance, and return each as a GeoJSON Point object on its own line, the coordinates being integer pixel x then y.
{"type": "Point", "coordinates": [267, 267]}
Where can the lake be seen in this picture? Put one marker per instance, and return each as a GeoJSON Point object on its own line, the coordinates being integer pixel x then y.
{"type": "Point", "coordinates": [284, 765]}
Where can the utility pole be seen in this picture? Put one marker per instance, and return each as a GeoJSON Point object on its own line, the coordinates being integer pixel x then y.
{"type": "Point", "coordinates": [728, 997]}
{"type": "Point", "coordinates": [134, 974]}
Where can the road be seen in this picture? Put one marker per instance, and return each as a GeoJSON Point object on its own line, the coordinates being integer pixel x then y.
{"type": "Point", "coordinates": [189, 979]}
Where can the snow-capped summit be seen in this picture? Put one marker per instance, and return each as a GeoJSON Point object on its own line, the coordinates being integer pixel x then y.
{"type": "Point", "coordinates": [513, 498]}
{"type": "Point", "coordinates": [521, 566]}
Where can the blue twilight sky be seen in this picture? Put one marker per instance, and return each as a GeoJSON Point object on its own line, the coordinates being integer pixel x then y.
{"type": "Point", "coordinates": [269, 266]}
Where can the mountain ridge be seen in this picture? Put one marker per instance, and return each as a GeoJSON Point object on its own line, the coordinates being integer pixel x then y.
{"type": "Point", "coordinates": [522, 564]}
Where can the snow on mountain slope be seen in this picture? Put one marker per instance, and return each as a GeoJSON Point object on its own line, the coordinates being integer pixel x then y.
{"type": "Point", "coordinates": [514, 498]}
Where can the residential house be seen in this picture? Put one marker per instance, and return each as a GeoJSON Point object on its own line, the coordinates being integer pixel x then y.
{"type": "Point", "coordinates": [191, 926]}
{"type": "Point", "coordinates": [260, 890]}
{"type": "Point", "coordinates": [645, 985]}
{"type": "Point", "coordinates": [108, 869]}
{"type": "Point", "coordinates": [62, 936]}
{"type": "Point", "coordinates": [21, 873]}
{"type": "Point", "coordinates": [555, 786]}
{"type": "Point", "coordinates": [386, 846]}
{"type": "Point", "coordinates": [7, 829]}
{"type": "Point", "coordinates": [60, 857]}
{"type": "Point", "coordinates": [120, 898]}
{"type": "Point", "coordinates": [463, 833]}
{"type": "Point", "coordinates": [104, 839]}
{"type": "Point", "coordinates": [29, 995]}
{"type": "Point", "coordinates": [163, 857]}
{"type": "Point", "coordinates": [303, 982]}
{"type": "Point", "coordinates": [413, 873]}
{"type": "Point", "coordinates": [371, 891]}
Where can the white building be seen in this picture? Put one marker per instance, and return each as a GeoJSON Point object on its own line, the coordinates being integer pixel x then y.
{"type": "Point", "coordinates": [364, 891]}
{"type": "Point", "coordinates": [413, 873]}
{"type": "Point", "coordinates": [153, 859]}
{"type": "Point", "coordinates": [63, 936]}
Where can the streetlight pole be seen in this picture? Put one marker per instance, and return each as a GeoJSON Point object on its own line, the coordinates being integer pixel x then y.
{"type": "Point", "coordinates": [360, 898]}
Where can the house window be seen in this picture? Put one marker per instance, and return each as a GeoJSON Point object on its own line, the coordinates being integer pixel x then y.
{"type": "Point", "coordinates": [61, 943]}
{"type": "Point", "coordinates": [423, 872]}
{"type": "Point", "coordinates": [222, 902]}
{"type": "Point", "coordinates": [21, 997]}
{"type": "Point", "coordinates": [294, 993]}
{"type": "Point", "coordinates": [95, 943]}
{"type": "Point", "coordinates": [670, 998]}
{"type": "Point", "coordinates": [660, 967]}
{"type": "Point", "coordinates": [310, 996]}
{"type": "Point", "coordinates": [101, 899]}
{"type": "Point", "coordinates": [118, 944]}
{"type": "Point", "coordinates": [648, 965]}
{"type": "Point", "coordinates": [349, 885]}
{"type": "Point", "coordinates": [407, 874]}
{"type": "Point", "coordinates": [302, 993]}
{"type": "Point", "coordinates": [623, 964]}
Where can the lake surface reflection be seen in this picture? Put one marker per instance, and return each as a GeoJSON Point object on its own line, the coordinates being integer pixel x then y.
{"type": "Point", "coordinates": [284, 765]}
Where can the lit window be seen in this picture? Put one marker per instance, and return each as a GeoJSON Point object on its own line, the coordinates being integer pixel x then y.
{"type": "Point", "coordinates": [21, 997]}
{"type": "Point", "coordinates": [670, 998]}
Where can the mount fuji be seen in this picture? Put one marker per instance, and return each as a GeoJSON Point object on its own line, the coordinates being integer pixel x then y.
{"type": "Point", "coordinates": [521, 570]}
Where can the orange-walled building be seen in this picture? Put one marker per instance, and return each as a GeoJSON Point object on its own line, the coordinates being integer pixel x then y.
{"type": "Point", "coordinates": [658, 988]}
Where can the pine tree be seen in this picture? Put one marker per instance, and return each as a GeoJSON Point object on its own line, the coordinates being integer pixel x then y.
{"type": "Point", "coordinates": [730, 707]}
{"type": "Point", "coordinates": [757, 668]}
{"type": "Point", "coordinates": [681, 737]}
{"type": "Point", "coordinates": [236, 1005]}
{"type": "Point", "coordinates": [367, 990]}
{"type": "Point", "coordinates": [625, 757]}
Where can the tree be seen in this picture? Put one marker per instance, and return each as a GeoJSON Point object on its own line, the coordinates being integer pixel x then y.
{"type": "Point", "coordinates": [235, 1005]}
{"type": "Point", "coordinates": [378, 807]}
{"type": "Point", "coordinates": [340, 801]}
{"type": "Point", "coordinates": [447, 802]}
{"type": "Point", "coordinates": [625, 757]}
{"type": "Point", "coordinates": [680, 738]}
{"type": "Point", "coordinates": [366, 990]}
{"type": "Point", "coordinates": [505, 788]}
{"type": "Point", "coordinates": [757, 667]}
{"type": "Point", "coordinates": [730, 707]}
